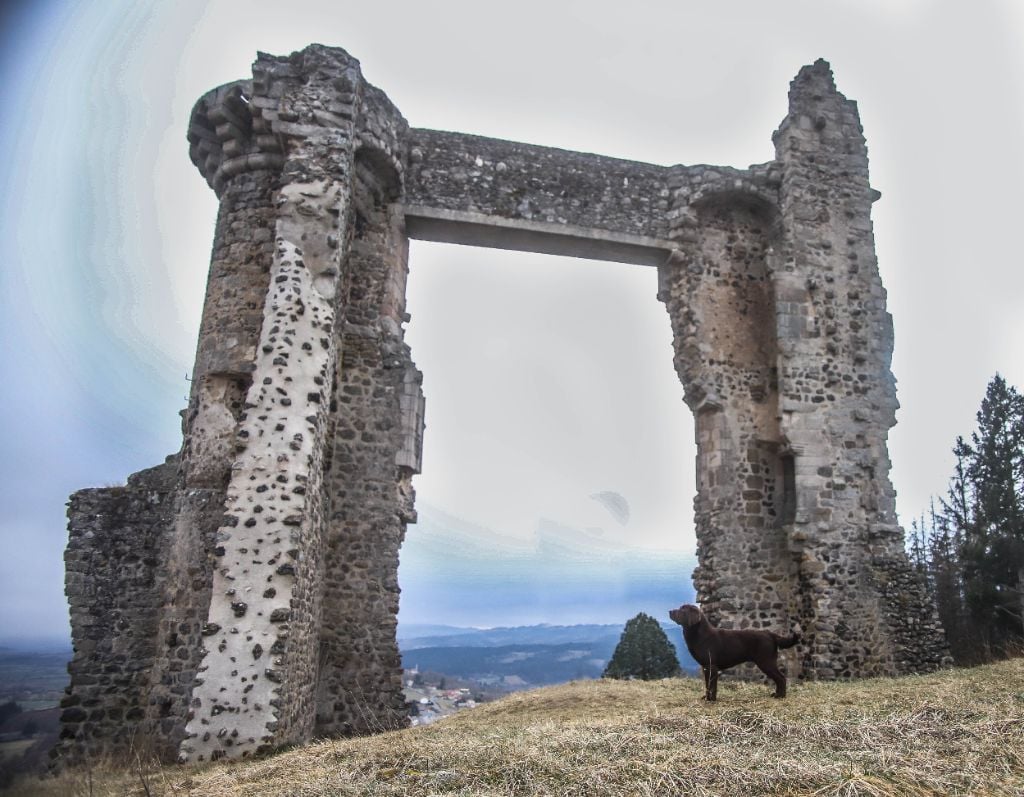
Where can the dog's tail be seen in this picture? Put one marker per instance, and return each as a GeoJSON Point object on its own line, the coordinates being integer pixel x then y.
{"type": "Point", "coordinates": [788, 641]}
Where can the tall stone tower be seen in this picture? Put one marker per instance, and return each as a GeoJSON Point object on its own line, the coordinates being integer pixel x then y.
{"type": "Point", "coordinates": [243, 596]}
{"type": "Point", "coordinates": [784, 346]}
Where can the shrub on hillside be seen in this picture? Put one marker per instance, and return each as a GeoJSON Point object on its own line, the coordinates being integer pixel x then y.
{"type": "Point", "coordinates": [643, 652]}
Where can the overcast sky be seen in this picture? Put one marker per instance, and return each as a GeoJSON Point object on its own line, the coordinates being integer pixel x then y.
{"type": "Point", "coordinates": [547, 380]}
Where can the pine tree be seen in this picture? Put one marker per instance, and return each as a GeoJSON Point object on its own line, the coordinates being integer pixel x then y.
{"type": "Point", "coordinates": [946, 582]}
{"type": "Point", "coordinates": [985, 510]}
{"type": "Point", "coordinates": [974, 547]}
{"type": "Point", "coordinates": [919, 546]}
{"type": "Point", "coordinates": [643, 652]}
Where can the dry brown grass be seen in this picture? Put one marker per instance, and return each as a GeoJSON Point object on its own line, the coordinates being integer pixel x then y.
{"type": "Point", "coordinates": [956, 732]}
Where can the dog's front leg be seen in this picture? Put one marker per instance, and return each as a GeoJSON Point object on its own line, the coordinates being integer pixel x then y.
{"type": "Point", "coordinates": [712, 687]}
{"type": "Point", "coordinates": [707, 683]}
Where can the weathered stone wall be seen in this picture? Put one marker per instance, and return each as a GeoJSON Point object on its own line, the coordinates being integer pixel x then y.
{"type": "Point", "coordinates": [115, 596]}
{"type": "Point", "coordinates": [509, 180]}
{"type": "Point", "coordinates": [360, 689]}
{"type": "Point", "coordinates": [244, 596]}
{"type": "Point", "coordinates": [719, 292]}
{"type": "Point", "coordinates": [237, 285]}
{"type": "Point", "coordinates": [783, 346]}
{"type": "Point", "coordinates": [256, 685]}
{"type": "Point", "coordinates": [229, 332]}
{"type": "Point", "coordinates": [838, 396]}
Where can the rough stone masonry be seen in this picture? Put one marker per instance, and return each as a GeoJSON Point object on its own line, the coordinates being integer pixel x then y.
{"type": "Point", "coordinates": [243, 595]}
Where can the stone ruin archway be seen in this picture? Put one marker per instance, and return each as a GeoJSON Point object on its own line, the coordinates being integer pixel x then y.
{"type": "Point", "coordinates": [243, 595]}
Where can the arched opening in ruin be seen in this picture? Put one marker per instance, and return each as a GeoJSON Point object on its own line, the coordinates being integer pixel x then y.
{"type": "Point", "coordinates": [722, 300]}
{"type": "Point", "coordinates": [548, 381]}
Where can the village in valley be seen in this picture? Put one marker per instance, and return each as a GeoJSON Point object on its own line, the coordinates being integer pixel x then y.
{"type": "Point", "coordinates": [431, 696]}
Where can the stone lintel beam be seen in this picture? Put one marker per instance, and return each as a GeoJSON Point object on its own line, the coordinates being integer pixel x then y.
{"type": "Point", "coordinates": [480, 229]}
{"type": "Point", "coordinates": [523, 182]}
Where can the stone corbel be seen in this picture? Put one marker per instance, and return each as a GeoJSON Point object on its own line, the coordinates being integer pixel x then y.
{"type": "Point", "coordinates": [227, 135]}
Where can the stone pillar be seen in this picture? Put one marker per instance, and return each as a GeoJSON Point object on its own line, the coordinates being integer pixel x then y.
{"type": "Point", "coordinates": [374, 453]}
{"type": "Point", "coordinates": [717, 287]}
{"type": "Point", "coordinates": [784, 347]}
{"type": "Point", "coordinates": [838, 399]}
{"type": "Point", "coordinates": [243, 167]}
{"type": "Point", "coordinates": [165, 519]}
{"type": "Point", "coordinates": [256, 683]}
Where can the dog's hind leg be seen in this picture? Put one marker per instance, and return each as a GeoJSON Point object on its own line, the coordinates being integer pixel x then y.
{"type": "Point", "coordinates": [771, 669]}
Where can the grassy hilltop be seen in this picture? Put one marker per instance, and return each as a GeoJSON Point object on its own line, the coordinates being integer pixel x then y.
{"type": "Point", "coordinates": [956, 732]}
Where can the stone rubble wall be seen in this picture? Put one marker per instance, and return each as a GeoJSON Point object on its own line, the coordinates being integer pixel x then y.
{"type": "Point", "coordinates": [509, 180]}
{"type": "Point", "coordinates": [838, 396]}
{"type": "Point", "coordinates": [243, 250]}
{"type": "Point", "coordinates": [360, 688]}
{"type": "Point", "coordinates": [784, 346]}
{"type": "Point", "coordinates": [115, 595]}
{"type": "Point", "coordinates": [718, 287]}
{"type": "Point", "coordinates": [829, 283]}
{"type": "Point", "coordinates": [721, 301]}
{"type": "Point", "coordinates": [244, 596]}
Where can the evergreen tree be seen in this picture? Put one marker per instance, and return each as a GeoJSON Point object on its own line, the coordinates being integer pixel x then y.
{"type": "Point", "coordinates": [973, 549]}
{"type": "Point", "coordinates": [919, 546]}
{"type": "Point", "coordinates": [643, 652]}
{"type": "Point", "coordinates": [987, 502]}
{"type": "Point", "coordinates": [945, 580]}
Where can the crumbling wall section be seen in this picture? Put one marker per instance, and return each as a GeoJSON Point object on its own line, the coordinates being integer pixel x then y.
{"type": "Point", "coordinates": [221, 128]}
{"type": "Point", "coordinates": [115, 595]}
{"type": "Point", "coordinates": [838, 399]}
{"type": "Point", "coordinates": [718, 287]}
{"type": "Point", "coordinates": [794, 397]}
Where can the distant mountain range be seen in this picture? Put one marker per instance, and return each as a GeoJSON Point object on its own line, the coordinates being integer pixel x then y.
{"type": "Point", "coordinates": [413, 637]}
{"type": "Point", "coordinates": [464, 574]}
{"type": "Point", "coordinates": [537, 655]}
{"type": "Point", "coordinates": [557, 601]}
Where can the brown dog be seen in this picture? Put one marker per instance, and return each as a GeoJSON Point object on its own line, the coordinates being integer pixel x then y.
{"type": "Point", "coordinates": [719, 649]}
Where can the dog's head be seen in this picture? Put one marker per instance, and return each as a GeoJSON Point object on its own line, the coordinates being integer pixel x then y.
{"type": "Point", "coordinates": [686, 615]}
